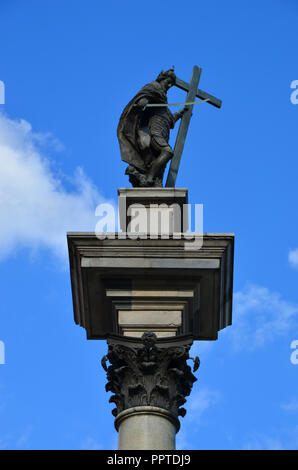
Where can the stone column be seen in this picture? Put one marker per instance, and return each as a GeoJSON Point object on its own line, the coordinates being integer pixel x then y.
{"type": "Point", "coordinates": [150, 384]}
{"type": "Point", "coordinates": [146, 428]}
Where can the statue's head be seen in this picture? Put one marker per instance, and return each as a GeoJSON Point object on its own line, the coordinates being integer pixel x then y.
{"type": "Point", "coordinates": [167, 78]}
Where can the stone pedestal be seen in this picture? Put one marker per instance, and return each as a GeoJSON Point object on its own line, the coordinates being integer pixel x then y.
{"type": "Point", "coordinates": [150, 295]}
{"type": "Point", "coordinates": [154, 211]}
{"type": "Point", "coordinates": [116, 275]}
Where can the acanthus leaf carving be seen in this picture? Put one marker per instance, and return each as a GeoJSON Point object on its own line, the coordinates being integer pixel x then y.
{"type": "Point", "coordinates": [149, 375]}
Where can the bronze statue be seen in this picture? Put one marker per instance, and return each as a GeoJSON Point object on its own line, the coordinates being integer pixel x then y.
{"type": "Point", "coordinates": [144, 129]}
{"type": "Point", "coordinates": [143, 132]}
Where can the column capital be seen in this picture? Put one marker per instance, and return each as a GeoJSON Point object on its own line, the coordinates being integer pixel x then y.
{"type": "Point", "coordinates": [149, 375]}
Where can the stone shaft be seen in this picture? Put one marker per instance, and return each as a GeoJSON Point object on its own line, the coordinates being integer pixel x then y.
{"type": "Point", "coordinates": [146, 428]}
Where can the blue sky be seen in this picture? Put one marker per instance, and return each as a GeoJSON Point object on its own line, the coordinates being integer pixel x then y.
{"type": "Point", "coordinates": [69, 68]}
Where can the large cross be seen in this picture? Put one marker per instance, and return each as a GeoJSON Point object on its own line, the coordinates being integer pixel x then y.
{"type": "Point", "coordinates": [193, 92]}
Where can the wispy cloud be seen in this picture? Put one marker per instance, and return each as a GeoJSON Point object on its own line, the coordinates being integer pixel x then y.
{"type": "Point", "coordinates": [14, 441]}
{"type": "Point", "coordinates": [259, 317]}
{"type": "Point", "coordinates": [262, 442]}
{"type": "Point", "coordinates": [197, 405]}
{"type": "Point", "coordinates": [282, 439]}
{"type": "Point", "coordinates": [200, 401]}
{"type": "Point", "coordinates": [36, 208]}
{"type": "Point", "coordinates": [291, 406]}
{"type": "Point", "coordinates": [89, 443]}
{"type": "Point", "coordinates": [23, 440]}
{"type": "Point", "coordinates": [293, 258]}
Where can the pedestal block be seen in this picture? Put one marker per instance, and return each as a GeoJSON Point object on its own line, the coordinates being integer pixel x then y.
{"type": "Point", "coordinates": [156, 210]}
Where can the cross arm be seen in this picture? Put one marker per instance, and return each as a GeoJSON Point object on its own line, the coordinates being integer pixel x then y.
{"type": "Point", "coordinates": [199, 93]}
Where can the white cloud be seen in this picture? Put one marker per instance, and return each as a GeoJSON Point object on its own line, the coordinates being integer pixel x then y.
{"type": "Point", "coordinates": [264, 443]}
{"type": "Point", "coordinates": [16, 441]}
{"type": "Point", "coordinates": [89, 443]}
{"type": "Point", "coordinates": [283, 439]}
{"type": "Point", "coordinates": [201, 401]}
{"type": "Point", "coordinates": [259, 317]}
{"type": "Point", "coordinates": [291, 406]}
{"type": "Point", "coordinates": [36, 209]}
{"type": "Point", "coordinates": [197, 405]}
{"type": "Point", "coordinates": [293, 258]}
{"type": "Point", "coordinates": [23, 439]}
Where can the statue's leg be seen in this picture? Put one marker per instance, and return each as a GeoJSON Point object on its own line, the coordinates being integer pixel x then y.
{"type": "Point", "coordinates": [158, 179]}
{"type": "Point", "coordinates": [166, 153]}
{"type": "Point", "coordinates": [137, 176]}
{"type": "Point", "coordinates": [144, 145]}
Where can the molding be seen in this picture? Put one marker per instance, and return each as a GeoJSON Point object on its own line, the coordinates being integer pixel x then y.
{"type": "Point", "coordinates": [126, 263]}
{"type": "Point", "coordinates": [145, 410]}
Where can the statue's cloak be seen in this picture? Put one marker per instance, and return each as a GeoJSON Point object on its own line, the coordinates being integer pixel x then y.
{"type": "Point", "coordinates": [133, 119]}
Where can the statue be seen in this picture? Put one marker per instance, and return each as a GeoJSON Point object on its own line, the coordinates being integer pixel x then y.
{"type": "Point", "coordinates": [144, 129]}
{"type": "Point", "coordinates": [144, 132]}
